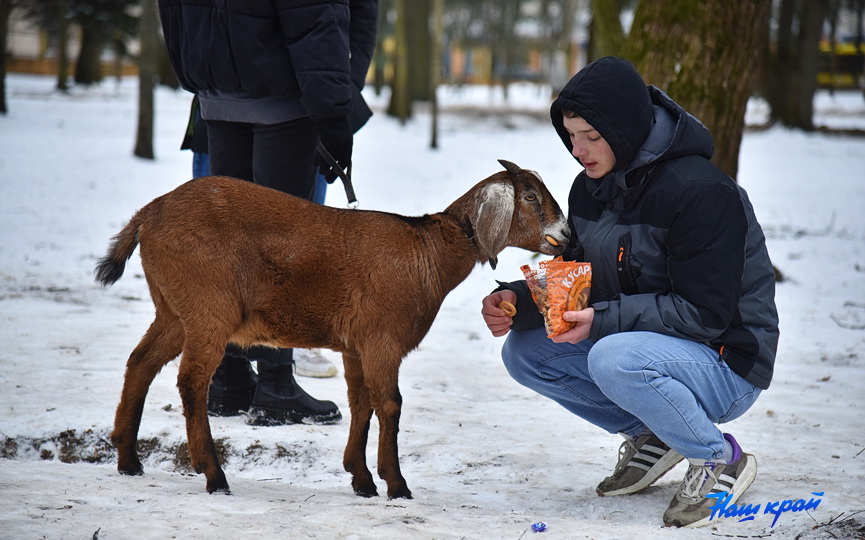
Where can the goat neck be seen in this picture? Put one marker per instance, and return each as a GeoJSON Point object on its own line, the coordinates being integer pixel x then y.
{"type": "Point", "coordinates": [451, 243]}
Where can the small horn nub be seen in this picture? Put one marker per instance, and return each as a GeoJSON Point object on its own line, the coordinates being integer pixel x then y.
{"type": "Point", "coordinates": [512, 168]}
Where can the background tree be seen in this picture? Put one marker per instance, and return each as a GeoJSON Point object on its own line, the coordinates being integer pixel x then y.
{"type": "Point", "coordinates": [100, 21]}
{"type": "Point", "coordinates": [400, 97]}
{"type": "Point", "coordinates": [148, 66]}
{"type": "Point", "coordinates": [5, 11]}
{"type": "Point", "coordinates": [703, 53]}
{"type": "Point", "coordinates": [436, 68]}
{"type": "Point", "coordinates": [559, 18]}
{"type": "Point", "coordinates": [606, 35]}
{"type": "Point", "coordinates": [53, 17]}
{"type": "Point", "coordinates": [793, 62]}
{"type": "Point", "coordinates": [61, 19]}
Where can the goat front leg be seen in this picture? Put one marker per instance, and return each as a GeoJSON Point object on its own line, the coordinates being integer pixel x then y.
{"type": "Point", "coordinates": [354, 459]}
{"type": "Point", "coordinates": [161, 343]}
{"type": "Point", "coordinates": [387, 402]}
{"type": "Point", "coordinates": [197, 366]}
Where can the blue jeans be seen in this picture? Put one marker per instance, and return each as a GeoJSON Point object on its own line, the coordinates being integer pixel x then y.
{"type": "Point", "coordinates": [631, 381]}
{"type": "Point", "coordinates": [200, 165]}
{"type": "Point", "coordinates": [320, 188]}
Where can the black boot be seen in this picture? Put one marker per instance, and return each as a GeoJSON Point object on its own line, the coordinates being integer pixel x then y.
{"type": "Point", "coordinates": [279, 399]}
{"type": "Point", "coordinates": [233, 384]}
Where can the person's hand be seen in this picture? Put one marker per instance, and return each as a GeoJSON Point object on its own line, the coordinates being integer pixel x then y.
{"type": "Point", "coordinates": [336, 137]}
{"type": "Point", "coordinates": [581, 331]}
{"type": "Point", "coordinates": [497, 320]}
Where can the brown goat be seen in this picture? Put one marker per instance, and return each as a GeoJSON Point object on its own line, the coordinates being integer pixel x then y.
{"type": "Point", "coordinates": [231, 261]}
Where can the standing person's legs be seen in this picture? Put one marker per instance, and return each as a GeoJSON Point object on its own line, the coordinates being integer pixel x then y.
{"type": "Point", "coordinates": [200, 164]}
{"type": "Point", "coordinates": [234, 383]}
{"type": "Point", "coordinates": [320, 188]}
{"type": "Point", "coordinates": [230, 146]}
{"type": "Point", "coordinates": [283, 157]}
{"type": "Point", "coordinates": [272, 398]}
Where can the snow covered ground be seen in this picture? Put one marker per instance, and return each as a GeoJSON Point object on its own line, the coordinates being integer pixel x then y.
{"type": "Point", "coordinates": [484, 457]}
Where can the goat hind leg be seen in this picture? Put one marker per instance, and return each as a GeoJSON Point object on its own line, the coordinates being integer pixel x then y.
{"type": "Point", "coordinates": [197, 365]}
{"type": "Point", "coordinates": [354, 459]}
{"type": "Point", "coordinates": [161, 343]}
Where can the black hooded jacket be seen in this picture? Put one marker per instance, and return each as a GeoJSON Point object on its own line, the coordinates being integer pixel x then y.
{"type": "Point", "coordinates": [673, 241]}
{"type": "Point", "coordinates": [270, 61]}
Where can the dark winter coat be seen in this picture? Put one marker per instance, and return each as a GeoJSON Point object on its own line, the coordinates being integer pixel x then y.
{"type": "Point", "coordinates": [673, 241]}
{"type": "Point", "coordinates": [269, 61]}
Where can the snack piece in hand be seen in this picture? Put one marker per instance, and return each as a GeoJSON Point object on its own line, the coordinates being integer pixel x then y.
{"type": "Point", "coordinates": [558, 286]}
{"type": "Point", "coordinates": [509, 309]}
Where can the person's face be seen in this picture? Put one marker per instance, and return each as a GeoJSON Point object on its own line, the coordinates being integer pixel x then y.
{"type": "Point", "coordinates": [589, 147]}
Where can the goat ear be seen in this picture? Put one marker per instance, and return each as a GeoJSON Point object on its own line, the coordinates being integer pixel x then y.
{"type": "Point", "coordinates": [512, 168]}
{"type": "Point", "coordinates": [495, 210]}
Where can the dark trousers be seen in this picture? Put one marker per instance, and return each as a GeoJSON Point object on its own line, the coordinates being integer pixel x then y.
{"type": "Point", "coordinates": [279, 156]}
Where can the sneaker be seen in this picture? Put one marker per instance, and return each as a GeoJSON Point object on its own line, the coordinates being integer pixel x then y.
{"type": "Point", "coordinates": [691, 506]}
{"type": "Point", "coordinates": [311, 363]}
{"type": "Point", "coordinates": [642, 460]}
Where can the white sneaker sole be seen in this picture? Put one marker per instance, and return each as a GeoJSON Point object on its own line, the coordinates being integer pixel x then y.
{"type": "Point", "coordinates": [749, 473]}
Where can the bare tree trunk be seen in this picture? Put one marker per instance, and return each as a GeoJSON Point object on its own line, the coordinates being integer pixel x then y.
{"type": "Point", "coordinates": [88, 67]}
{"type": "Point", "coordinates": [799, 79]}
{"type": "Point", "coordinates": [379, 58]}
{"type": "Point", "coordinates": [419, 43]}
{"type": "Point", "coordinates": [560, 55]}
{"type": "Point", "coordinates": [860, 39]}
{"type": "Point", "coordinates": [607, 34]}
{"type": "Point", "coordinates": [61, 16]}
{"type": "Point", "coordinates": [793, 72]}
{"type": "Point", "coordinates": [704, 54]}
{"type": "Point", "coordinates": [506, 45]}
{"type": "Point", "coordinates": [148, 66]}
{"type": "Point", "coordinates": [5, 10]}
{"type": "Point", "coordinates": [781, 60]}
{"type": "Point", "coordinates": [435, 68]}
{"type": "Point", "coordinates": [400, 98]}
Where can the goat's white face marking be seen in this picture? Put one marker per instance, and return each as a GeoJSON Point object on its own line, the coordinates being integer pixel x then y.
{"type": "Point", "coordinates": [554, 233]}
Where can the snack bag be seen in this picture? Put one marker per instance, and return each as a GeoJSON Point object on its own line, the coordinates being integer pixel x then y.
{"type": "Point", "coordinates": [558, 286]}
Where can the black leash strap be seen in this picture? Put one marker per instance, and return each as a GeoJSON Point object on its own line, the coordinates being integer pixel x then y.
{"type": "Point", "coordinates": [346, 178]}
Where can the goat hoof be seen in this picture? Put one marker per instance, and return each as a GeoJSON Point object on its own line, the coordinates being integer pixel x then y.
{"type": "Point", "coordinates": [366, 491]}
{"type": "Point", "coordinates": [402, 493]}
{"type": "Point", "coordinates": [134, 469]}
{"type": "Point", "coordinates": [218, 485]}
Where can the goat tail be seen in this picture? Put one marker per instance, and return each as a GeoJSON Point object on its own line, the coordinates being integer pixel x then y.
{"type": "Point", "coordinates": [110, 267]}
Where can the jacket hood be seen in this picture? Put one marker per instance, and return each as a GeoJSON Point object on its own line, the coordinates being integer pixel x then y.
{"type": "Point", "coordinates": [639, 122]}
{"type": "Point", "coordinates": [612, 97]}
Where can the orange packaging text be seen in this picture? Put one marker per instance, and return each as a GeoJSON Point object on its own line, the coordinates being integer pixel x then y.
{"type": "Point", "coordinates": [558, 286]}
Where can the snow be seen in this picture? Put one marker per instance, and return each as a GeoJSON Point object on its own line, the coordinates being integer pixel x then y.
{"type": "Point", "coordinates": [484, 457]}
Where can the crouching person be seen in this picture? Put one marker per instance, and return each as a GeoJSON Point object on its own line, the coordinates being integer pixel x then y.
{"type": "Point", "coordinates": [681, 329]}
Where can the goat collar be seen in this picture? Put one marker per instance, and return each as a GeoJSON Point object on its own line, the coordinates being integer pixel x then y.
{"type": "Point", "coordinates": [468, 229]}
{"type": "Point", "coordinates": [465, 225]}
